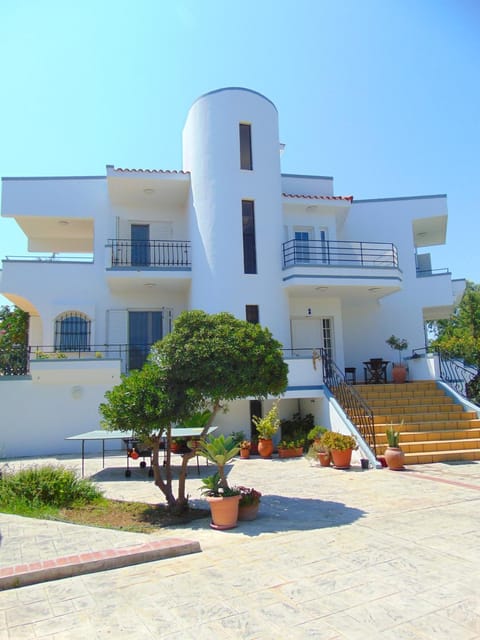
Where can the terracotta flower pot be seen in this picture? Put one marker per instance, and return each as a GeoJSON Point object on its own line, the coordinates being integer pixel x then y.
{"type": "Point", "coordinates": [399, 374]}
{"type": "Point", "coordinates": [248, 512]}
{"type": "Point", "coordinates": [244, 453]}
{"type": "Point", "coordinates": [265, 447]}
{"type": "Point", "coordinates": [224, 511]}
{"type": "Point", "coordinates": [324, 458]}
{"type": "Point", "coordinates": [395, 458]}
{"type": "Point", "coordinates": [341, 459]}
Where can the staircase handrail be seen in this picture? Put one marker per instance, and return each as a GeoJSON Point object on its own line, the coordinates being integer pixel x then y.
{"type": "Point", "coordinates": [357, 410]}
{"type": "Point", "coordinates": [463, 377]}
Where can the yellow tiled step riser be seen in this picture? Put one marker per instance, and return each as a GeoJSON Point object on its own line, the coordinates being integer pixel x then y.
{"type": "Point", "coordinates": [445, 410]}
{"type": "Point", "coordinates": [420, 436]}
{"type": "Point", "coordinates": [415, 418]}
{"type": "Point", "coordinates": [438, 445]}
{"type": "Point", "coordinates": [427, 426]}
{"type": "Point", "coordinates": [411, 402]}
{"type": "Point", "coordinates": [441, 456]}
{"type": "Point", "coordinates": [395, 390]}
{"type": "Point", "coordinates": [404, 397]}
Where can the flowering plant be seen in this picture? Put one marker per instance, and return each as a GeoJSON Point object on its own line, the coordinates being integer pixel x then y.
{"type": "Point", "coordinates": [245, 444]}
{"type": "Point", "coordinates": [248, 496]}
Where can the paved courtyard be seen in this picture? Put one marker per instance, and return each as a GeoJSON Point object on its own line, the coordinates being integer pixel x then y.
{"type": "Point", "coordinates": [333, 555]}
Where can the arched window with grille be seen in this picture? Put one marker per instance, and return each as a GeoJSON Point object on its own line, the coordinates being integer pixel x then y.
{"type": "Point", "coordinates": [72, 332]}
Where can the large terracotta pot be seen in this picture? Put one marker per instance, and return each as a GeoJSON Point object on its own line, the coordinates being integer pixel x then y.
{"type": "Point", "coordinates": [395, 458]}
{"type": "Point", "coordinates": [265, 447]}
{"type": "Point", "coordinates": [249, 512]}
{"type": "Point", "coordinates": [341, 459]}
{"type": "Point", "coordinates": [399, 374]}
{"type": "Point", "coordinates": [224, 511]}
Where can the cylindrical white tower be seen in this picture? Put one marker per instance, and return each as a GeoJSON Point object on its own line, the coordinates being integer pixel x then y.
{"type": "Point", "coordinates": [231, 148]}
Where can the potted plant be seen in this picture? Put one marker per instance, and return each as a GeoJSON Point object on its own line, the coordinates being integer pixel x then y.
{"type": "Point", "coordinates": [266, 428]}
{"type": "Point", "coordinates": [394, 455]}
{"type": "Point", "coordinates": [321, 452]}
{"type": "Point", "coordinates": [245, 446]}
{"type": "Point", "coordinates": [249, 503]}
{"type": "Point", "coordinates": [340, 446]}
{"type": "Point", "coordinates": [223, 500]}
{"type": "Point", "coordinates": [399, 370]}
{"type": "Point", "coordinates": [290, 448]}
{"type": "Point", "coordinates": [316, 433]}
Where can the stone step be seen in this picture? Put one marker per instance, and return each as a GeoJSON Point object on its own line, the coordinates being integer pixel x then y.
{"type": "Point", "coordinates": [454, 455]}
{"type": "Point", "coordinates": [431, 436]}
{"type": "Point", "coordinates": [439, 445]}
{"type": "Point", "coordinates": [411, 418]}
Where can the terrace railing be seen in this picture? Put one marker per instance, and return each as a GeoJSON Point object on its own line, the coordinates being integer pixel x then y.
{"type": "Point", "coordinates": [173, 254]}
{"type": "Point", "coordinates": [339, 253]}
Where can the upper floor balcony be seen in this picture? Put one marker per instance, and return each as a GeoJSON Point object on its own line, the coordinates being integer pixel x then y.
{"type": "Point", "coordinates": [338, 266]}
{"type": "Point", "coordinates": [132, 262]}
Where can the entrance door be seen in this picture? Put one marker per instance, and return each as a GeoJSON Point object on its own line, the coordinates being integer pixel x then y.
{"type": "Point", "coordinates": [144, 329]}
{"type": "Point", "coordinates": [140, 237]}
{"type": "Point", "coordinates": [312, 333]}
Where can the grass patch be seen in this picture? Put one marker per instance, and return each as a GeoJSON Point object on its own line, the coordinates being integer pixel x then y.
{"type": "Point", "coordinates": [55, 493]}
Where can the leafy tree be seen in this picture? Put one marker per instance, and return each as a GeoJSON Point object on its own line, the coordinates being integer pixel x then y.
{"type": "Point", "coordinates": [13, 340]}
{"type": "Point", "coordinates": [13, 326]}
{"type": "Point", "coordinates": [207, 361]}
{"type": "Point", "coordinates": [459, 336]}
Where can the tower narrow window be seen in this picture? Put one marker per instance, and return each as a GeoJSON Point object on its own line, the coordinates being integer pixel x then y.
{"type": "Point", "coordinates": [249, 247]}
{"type": "Point", "coordinates": [251, 313]}
{"type": "Point", "coordinates": [246, 147]}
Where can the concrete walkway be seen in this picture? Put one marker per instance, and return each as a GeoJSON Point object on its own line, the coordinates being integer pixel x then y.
{"type": "Point", "coordinates": [333, 554]}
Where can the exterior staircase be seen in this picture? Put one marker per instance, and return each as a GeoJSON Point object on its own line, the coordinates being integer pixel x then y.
{"type": "Point", "coordinates": [435, 428]}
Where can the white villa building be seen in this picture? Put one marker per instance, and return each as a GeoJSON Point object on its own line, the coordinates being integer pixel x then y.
{"type": "Point", "coordinates": [115, 259]}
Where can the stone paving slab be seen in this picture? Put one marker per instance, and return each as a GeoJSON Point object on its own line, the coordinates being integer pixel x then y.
{"type": "Point", "coordinates": [333, 554]}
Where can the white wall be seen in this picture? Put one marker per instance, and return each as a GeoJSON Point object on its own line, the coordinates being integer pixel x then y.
{"type": "Point", "coordinates": [36, 417]}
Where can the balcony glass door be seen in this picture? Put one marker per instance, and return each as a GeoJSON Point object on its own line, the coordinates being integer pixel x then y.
{"type": "Point", "coordinates": [140, 237]}
{"type": "Point", "coordinates": [144, 329]}
{"type": "Point", "coordinates": [302, 246]}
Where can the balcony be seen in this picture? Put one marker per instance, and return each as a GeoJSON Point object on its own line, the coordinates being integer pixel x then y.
{"type": "Point", "coordinates": [132, 263]}
{"type": "Point", "coordinates": [339, 253]}
{"type": "Point", "coordinates": [343, 268]}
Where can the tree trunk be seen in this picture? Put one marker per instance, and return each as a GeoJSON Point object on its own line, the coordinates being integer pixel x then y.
{"type": "Point", "coordinates": [188, 456]}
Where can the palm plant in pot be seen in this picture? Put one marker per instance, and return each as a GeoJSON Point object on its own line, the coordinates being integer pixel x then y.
{"type": "Point", "coordinates": [399, 370]}
{"type": "Point", "coordinates": [394, 455]}
{"type": "Point", "coordinates": [266, 428]}
{"type": "Point", "coordinates": [223, 500]}
{"type": "Point", "coordinates": [340, 446]}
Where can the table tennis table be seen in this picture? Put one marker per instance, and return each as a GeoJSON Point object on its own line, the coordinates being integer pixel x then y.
{"type": "Point", "coordinates": [129, 438]}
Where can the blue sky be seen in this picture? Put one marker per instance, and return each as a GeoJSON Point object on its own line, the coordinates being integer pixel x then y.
{"type": "Point", "coordinates": [383, 95]}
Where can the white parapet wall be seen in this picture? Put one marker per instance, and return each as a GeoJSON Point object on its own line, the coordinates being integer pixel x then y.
{"type": "Point", "coordinates": [39, 411]}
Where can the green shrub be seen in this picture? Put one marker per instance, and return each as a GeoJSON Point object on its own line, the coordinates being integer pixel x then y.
{"type": "Point", "coordinates": [45, 486]}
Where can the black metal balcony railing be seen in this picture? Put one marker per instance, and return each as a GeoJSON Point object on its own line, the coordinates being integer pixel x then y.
{"type": "Point", "coordinates": [339, 253]}
{"type": "Point", "coordinates": [150, 253]}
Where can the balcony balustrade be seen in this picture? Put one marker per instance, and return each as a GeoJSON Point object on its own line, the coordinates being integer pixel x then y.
{"type": "Point", "coordinates": [146, 254]}
{"type": "Point", "coordinates": [339, 253]}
